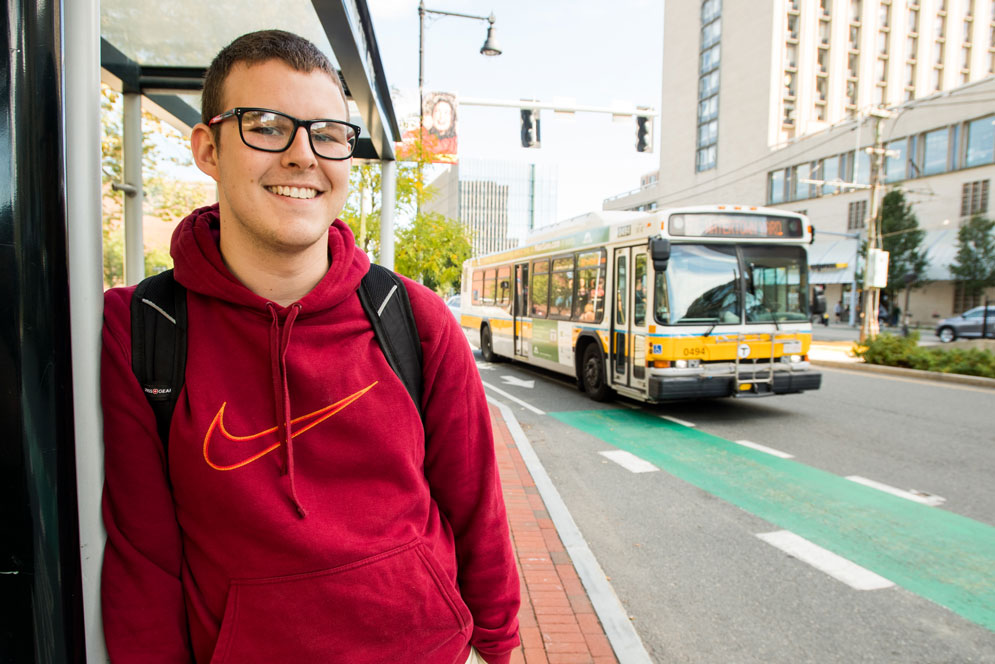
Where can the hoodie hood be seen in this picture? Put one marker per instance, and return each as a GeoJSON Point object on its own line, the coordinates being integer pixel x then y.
{"type": "Point", "coordinates": [199, 267]}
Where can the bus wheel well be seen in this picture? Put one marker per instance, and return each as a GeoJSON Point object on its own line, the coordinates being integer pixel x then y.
{"type": "Point", "coordinates": [582, 344]}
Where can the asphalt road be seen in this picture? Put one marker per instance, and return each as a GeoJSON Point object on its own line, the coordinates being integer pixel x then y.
{"type": "Point", "coordinates": [681, 544]}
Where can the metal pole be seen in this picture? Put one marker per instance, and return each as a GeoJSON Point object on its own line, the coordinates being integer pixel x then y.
{"type": "Point", "coordinates": [41, 609]}
{"type": "Point", "coordinates": [870, 327]}
{"type": "Point", "coordinates": [82, 81]}
{"type": "Point", "coordinates": [131, 144]}
{"type": "Point", "coordinates": [388, 189]}
{"type": "Point", "coordinates": [853, 285]}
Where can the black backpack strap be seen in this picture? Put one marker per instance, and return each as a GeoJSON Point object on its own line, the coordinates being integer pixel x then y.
{"type": "Point", "coordinates": [385, 301]}
{"type": "Point", "coordinates": [159, 344]}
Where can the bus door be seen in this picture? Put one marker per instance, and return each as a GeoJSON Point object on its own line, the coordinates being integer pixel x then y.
{"type": "Point", "coordinates": [620, 317]}
{"type": "Point", "coordinates": [520, 309]}
{"type": "Point", "coordinates": [630, 318]}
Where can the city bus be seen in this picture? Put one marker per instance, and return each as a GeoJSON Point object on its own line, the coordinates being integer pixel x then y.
{"type": "Point", "coordinates": [705, 301]}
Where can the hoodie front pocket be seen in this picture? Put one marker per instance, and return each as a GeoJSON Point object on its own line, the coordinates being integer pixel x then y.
{"type": "Point", "coordinates": [395, 606]}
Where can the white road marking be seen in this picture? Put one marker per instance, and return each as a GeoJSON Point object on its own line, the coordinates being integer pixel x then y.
{"type": "Point", "coordinates": [518, 382]}
{"type": "Point", "coordinates": [917, 496]}
{"type": "Point", "coordinates": [629, 461]}
{"type": "Point", "coordinates": [485, 366]}
{"type": "Point", "coordinates": [764, 448]}
{"type": "Point", "coordinates": [677, 421]}
{"type": "Point", "coordinates": [618, 627]}
{"type": "Point", "coordinates": [826, 561]}
{"type": "Point", "coordinates": [524, 404]}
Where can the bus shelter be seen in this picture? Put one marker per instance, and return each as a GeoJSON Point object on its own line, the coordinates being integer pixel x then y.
{"type": "Point", "coordinates": [58, 54]}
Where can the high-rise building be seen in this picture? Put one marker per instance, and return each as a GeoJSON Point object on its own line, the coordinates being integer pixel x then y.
{"type": "Point", "coordinates": [500, 203]}
{"type": "Point", "coordinates": [766, 103]}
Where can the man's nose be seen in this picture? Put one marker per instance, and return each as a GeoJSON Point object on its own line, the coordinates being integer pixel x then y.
{"type": "Point", "coordinates": [300, 153]}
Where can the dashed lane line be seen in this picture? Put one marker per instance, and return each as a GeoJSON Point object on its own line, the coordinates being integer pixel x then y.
{"type": "Point", "coordinates": [629, 461]}
{"type": "Point", "coordinates": [764, 448]}
{"type": "Point", "coordinates": [826, 561]}
{"type": "Point", "coordinates": [916, 496]}
{"type": "Point", "coordinates": [683, 423]}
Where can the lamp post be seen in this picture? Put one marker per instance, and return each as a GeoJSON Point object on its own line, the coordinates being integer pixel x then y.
{"type": "Point", "coordinates": [490, 48]}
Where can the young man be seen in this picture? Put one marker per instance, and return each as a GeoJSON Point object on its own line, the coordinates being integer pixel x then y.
{"type": "Point", "coordinates": [303, 510]}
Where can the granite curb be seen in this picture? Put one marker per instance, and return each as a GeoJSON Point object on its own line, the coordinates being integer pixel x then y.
{"type": "Point", "coordinates": [963, 379]}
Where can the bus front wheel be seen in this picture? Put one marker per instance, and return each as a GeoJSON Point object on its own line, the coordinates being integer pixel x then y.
{"type": "Point", "coordinates": [593, 374]}
{"type": "Point", "coordinates": [487, 345]}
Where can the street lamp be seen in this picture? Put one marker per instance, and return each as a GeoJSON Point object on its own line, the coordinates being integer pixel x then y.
{"type": "Point", "coordinates": [490, 47]}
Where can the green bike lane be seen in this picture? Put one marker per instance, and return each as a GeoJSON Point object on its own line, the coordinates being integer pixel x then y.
{"type": "Point", "coordinates": [946, 558]}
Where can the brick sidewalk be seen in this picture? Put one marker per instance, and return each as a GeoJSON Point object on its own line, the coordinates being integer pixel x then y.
{"type": "Point", "coordinates": [558, 623]}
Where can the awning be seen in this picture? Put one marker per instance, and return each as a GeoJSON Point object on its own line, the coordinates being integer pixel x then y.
{"type": "Point", "coordinates": [832, 261]}
{"type": "Point", "coordinates": [162, 49]}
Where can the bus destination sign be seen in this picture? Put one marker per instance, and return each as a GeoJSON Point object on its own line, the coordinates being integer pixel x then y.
{"type": "Point", "coordinates": [735, 226]}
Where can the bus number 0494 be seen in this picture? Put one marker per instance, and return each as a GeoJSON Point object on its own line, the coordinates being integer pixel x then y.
{"type": "Point", "coordinates": [696, 350]}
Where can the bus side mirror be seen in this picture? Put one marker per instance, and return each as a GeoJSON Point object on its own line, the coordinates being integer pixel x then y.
{"type": "Point", "coordinates": [660, 252]}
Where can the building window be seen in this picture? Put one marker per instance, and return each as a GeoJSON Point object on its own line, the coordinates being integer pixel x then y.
{"type": "Point", "coordinates": [936, 151]}
{"type": "Point", "coordinates": [974, 198]}
{"type": "Point", "coordinates": [894, 167]}
{"type": "Point", "coordinates": [980, 141]}
{"type": "Point", "coordinates": [708, 85]}
{"type": "Point", "coordinates": [856, 215]}
{"type": "Point", "coordinates": [802, 189]}
{"type": "Point", "coordinates": [775, 187]}
{"type": "Point", "coordinates": [830, 173]}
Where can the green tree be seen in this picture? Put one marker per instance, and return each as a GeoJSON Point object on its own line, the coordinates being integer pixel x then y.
{"type": "Point", "coordinates": [432, 250]}
{"type": "Point", "coordinates": [902, 239]}
{"type": "Point", "coordinates": [974, 265]}
{"type": "Point", "coordinates": [430, 247]}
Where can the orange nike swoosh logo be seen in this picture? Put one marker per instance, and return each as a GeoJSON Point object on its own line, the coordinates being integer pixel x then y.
{"type": "Point", "coordinates": [311, 419]}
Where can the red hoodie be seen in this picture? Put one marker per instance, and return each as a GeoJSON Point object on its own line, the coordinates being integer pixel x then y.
{"type": "Point", "coordinates": [364, 536]}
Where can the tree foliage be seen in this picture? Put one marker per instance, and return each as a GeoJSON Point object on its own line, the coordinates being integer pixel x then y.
{"type": "Point", "coordinates": [430, 248]}
{"type": "Point", "coordinates": [974, 265]}
{"type": "Point", "coordinates": [902, 239]}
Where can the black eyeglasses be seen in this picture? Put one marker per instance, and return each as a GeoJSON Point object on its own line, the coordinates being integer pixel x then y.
{"type": "Point", "coordinates": [272, 131]}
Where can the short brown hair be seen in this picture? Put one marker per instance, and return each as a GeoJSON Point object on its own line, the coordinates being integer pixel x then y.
{"type": "Point", "coordinates": [255, 48]}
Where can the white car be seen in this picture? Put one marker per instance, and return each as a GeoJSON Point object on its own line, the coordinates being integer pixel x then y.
{"type": "Point", "coordinates": [454, 305]}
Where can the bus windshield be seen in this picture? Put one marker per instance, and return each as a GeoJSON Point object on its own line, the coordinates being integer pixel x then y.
{"type": "Point", "coordinates": [706, 284]}
{"type": "Point", "coordinates": [703, 285]}
{"type": "Point", "coordinates": [775, 284]}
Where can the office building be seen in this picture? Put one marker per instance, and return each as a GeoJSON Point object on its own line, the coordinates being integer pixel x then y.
{"type": "Point", "coordinates": [500, 203]}
{"type": "Point", "coordinates": [767, 104]}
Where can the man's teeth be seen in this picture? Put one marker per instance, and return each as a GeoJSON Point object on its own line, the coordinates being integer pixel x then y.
{"type": "Point", "coordinates": [294, 192]}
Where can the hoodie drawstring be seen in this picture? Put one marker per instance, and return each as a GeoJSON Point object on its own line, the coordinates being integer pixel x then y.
{"type": "Point", "coordinates": [279, 341]}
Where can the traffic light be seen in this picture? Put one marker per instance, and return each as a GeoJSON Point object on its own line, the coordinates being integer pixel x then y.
{"type": "Point", "coordinates": [644, 133]}
{"type": "Point", "coordinates": [530, 128]}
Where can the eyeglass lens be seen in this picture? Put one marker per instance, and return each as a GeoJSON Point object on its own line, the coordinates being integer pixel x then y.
{"type": "Point", "coordinates": [271, 131]}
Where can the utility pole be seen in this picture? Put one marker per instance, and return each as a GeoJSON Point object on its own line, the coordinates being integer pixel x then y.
{"type": "Point", "coordinates": [872, 295]}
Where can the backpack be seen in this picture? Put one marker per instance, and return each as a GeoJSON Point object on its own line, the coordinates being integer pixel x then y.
{"type": "Point", "coordinates": [159, 336]}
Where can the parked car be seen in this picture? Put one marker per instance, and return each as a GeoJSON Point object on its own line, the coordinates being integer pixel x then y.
{"type": "Point", "coordinates": [966, 325]}
{"type": "Point", "coordinates": [454, 303]}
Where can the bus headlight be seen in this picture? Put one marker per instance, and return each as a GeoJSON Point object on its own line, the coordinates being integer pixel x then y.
{"type": "Point", "coordinates": [686, 364]}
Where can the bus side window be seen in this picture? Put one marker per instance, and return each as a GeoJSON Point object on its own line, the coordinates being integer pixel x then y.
{"type": "Point", "coordinates": [478, 285]}
{"type": "Point", "coordinates": [540, 288]}
{"type": "Point", "coordinates": [639, 283]}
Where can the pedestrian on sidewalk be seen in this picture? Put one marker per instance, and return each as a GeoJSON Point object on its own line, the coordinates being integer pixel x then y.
{"type": "Point", "coordinates": [838, 310]}
{"type": "Point", "coordinates": [303, 506]}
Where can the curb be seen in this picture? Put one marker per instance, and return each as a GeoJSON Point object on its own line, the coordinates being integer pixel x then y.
{"type": "Point", "coordinates": [963, 379]}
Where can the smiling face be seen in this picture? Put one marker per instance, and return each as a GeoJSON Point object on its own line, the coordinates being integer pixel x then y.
{"type": "Point", "coordinates": [278, 203]}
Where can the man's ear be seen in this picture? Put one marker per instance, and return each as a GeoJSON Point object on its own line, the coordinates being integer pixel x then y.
{"type": "Point", "coordinates": [205, 151]}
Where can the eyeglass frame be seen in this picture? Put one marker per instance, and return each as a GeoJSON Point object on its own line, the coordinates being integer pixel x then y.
{"type": "Point", "coordinates": [239, 110]}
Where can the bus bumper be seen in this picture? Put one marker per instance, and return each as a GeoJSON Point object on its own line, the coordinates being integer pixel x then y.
{"type": "Point", "coordinates": [670, 388]}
